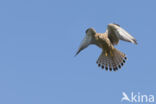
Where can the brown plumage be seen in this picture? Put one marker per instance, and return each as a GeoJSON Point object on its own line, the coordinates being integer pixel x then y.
{"type": "Point", "coordinates": [110, 58]}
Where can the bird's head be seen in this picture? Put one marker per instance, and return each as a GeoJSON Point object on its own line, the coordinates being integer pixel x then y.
{"type": "Point", "coordinates": [90, 32]}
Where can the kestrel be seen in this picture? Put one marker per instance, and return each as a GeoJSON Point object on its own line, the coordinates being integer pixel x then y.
{"type": "Point", "coordinates": [110, 58]}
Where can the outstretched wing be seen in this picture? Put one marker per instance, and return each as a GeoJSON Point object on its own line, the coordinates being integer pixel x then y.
{"type": "Point", "coordinates": [116, 33]}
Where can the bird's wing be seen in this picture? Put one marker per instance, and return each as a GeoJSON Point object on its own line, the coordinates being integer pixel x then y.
{"type": "Point", "coordinates": [116, 33]}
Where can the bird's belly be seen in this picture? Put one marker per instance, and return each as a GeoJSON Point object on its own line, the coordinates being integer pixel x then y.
{"type": "Point", "coordinates": [101, 44]}
{"type": "Point", "coordinates": [104, 45]}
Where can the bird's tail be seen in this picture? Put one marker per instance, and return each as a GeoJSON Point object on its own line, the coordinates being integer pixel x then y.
{"type": "Point", "coordinates": [112, 60]}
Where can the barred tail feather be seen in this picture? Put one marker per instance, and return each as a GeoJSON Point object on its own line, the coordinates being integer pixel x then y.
{"type": "Point", "coordinates": [113, 60]}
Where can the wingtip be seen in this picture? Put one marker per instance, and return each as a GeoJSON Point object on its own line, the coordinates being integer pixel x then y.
{"type": "Point", "coordinates": [75, 54]}
{"type": "Point", "coordinates": [135, 41]}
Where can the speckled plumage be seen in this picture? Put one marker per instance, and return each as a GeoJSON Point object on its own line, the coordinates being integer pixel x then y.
{"type": "Point", "coordinates": [110, 58]}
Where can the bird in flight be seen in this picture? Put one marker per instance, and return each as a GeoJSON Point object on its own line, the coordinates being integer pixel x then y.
{"type": "Point", "coordinates": [110, 58]}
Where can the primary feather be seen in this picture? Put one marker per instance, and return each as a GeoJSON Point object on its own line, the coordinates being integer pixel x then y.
{"type": "Point", "coordinates": [116, 33]}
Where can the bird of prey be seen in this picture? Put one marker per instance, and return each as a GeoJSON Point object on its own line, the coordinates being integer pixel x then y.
{"type": "Point", "coordinates": [110, 58]}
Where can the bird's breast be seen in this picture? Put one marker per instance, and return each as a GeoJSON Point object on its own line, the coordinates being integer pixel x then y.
{"type": "Point", "coordinates": [103, 42]}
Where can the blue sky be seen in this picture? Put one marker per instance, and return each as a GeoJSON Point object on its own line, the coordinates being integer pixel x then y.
{"type": "Point", "coordinates": [38, 41]}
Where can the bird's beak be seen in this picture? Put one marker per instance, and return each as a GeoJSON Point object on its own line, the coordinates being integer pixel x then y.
{"type": "Point", "coordinates": [84, 44]}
